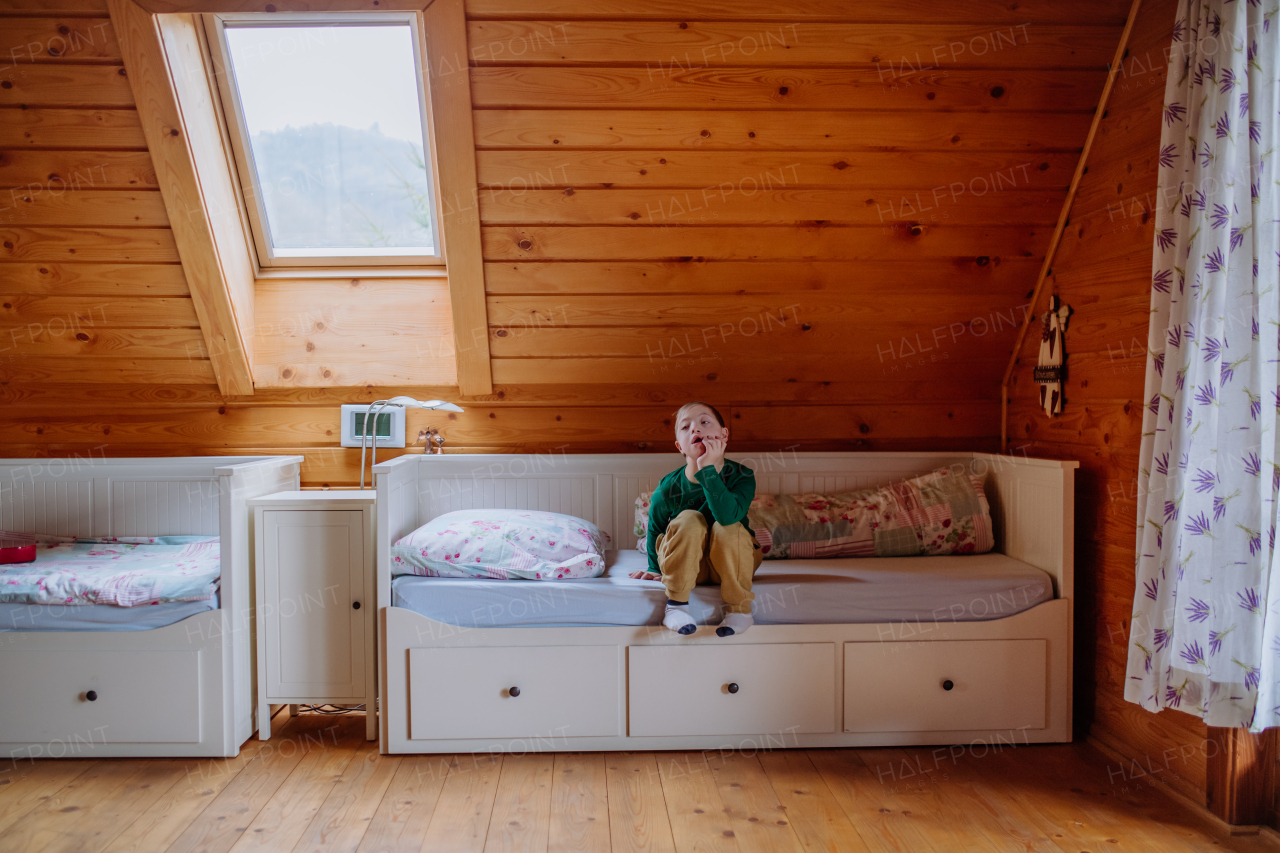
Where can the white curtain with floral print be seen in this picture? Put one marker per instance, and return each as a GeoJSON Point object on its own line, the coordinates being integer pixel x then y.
{"type": "Point", "coordinates": [1205, 635]}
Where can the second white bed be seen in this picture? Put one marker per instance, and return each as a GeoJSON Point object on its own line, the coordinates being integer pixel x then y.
{"type": "Point", "coordinates": [101, 680]}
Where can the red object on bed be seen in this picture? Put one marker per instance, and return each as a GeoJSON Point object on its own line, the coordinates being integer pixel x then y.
{"type": "Point", "coordinates": [17, 548]}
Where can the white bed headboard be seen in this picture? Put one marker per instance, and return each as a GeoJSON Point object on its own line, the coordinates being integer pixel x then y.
{"type": "Point", "coordinates": [1031, 499]}
{"type": "Point", "coordinates": [95, 497]}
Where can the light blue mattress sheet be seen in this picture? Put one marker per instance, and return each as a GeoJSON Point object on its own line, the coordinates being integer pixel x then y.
{"type": "Point", "coordinates": [97, 617]}
{"type": "Point", "coordinates": [852, 590]}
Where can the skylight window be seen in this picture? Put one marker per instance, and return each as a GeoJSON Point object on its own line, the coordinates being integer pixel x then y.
{"type": "Point", "coordinates": [329, 130]}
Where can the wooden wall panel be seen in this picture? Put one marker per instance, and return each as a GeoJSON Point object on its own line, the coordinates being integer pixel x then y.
{"type": "Point", "coordinates": [78, 208]}
{"type": "Point", "coordinates": [731, 206]}
{"type": "Point", "coordinates": [88, 245]}
{"type": "Point", "coordinates": [59, 171]}
{"type": "Point", "coordinates": [790, 89]}
{"type": "Point", "coordinates": [26, 8]}
{"type": "Point", "coordinates": [826, 130]}
{"type": "Point", "coordinates": [915, 239]}
{"type": "Point", "coordinates": [735, 43]}
{"type": "Point", "coordinates": [353, 332]}
{"type": "Point", "coordinates": [53, 279]}
{"type": "Point", "coordinates": [996, 275]}
{"type": "Point", "coordinates": [42, 311]}
{"type": "Point", "coordinates": [91, 290]}
{"type": "Point", "coordinates": [24, 368]}
{"type": "Point", "coordinates": [58, 40]}
{"type": "Point", "coordinates": [26, 126]}
{"type": "Point", "coordinates": [1103, 270]}
{"type": "Point", "coordinates": [514, 172]}
{"type": "Point", "coordinates": [1102, 12]}
{"type": "Point", "coordinates": [63, 85]}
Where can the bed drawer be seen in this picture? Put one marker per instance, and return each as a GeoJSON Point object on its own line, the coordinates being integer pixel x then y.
{"type": "Point", "coordinates": [548, 692]}
{"type": "Point", "coordinates": [782, 689]}
{"type": "Point", "coordinates": [945, 686]}
{"type": "Point", "coordinates": [137, 697]}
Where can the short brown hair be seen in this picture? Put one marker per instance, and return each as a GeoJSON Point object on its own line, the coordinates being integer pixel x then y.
{"type": "Point", "coordinates": [713, 409]}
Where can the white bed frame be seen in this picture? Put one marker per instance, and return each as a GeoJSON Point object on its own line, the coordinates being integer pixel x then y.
{"type": "Point", "coordinates": [186, 689]}
{"type": "Point", "coordinates": [447, 689]}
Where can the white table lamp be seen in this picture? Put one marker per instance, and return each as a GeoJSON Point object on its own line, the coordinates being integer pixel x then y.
{"type": "Point", "coordinates": [371, 419]}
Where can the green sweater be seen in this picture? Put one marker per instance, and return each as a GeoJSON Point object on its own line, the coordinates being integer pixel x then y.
{"type": "Point", "coordinates": [722, 497]}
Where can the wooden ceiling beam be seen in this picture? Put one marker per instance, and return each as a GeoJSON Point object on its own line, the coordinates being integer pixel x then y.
{"type": "Point", "coordinates": [446, 34]}
{"type": "Point", "coordinates": [180, 124]}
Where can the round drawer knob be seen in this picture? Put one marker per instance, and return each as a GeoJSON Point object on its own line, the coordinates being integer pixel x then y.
{"type": "Point", "coordinates": [514, 691]}
{"type": "Point", "coordinates": [355, 605]}
{"type": "Point", "coordinates": [92, 696]}
{"type": "Point", "coordinates": [948, 684]}
{"type": "Point", "coordinates": [733, 687]}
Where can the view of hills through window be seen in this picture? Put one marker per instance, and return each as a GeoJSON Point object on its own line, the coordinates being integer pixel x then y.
{"type": "Point", "coordinates": [335, 129]}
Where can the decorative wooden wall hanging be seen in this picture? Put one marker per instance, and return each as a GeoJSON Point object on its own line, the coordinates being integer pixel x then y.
{"type": "Point", "coordinates": [1050, 371]}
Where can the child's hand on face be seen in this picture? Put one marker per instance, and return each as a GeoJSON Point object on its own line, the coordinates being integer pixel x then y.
{"type": "Point", "coordinates": [646, 576]}
{"type": "Point", "coordinates": [712, 453]}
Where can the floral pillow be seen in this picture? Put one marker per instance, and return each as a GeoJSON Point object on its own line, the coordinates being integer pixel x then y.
{"type": "Point", "coordinates": [515, 544]}
{"type": "Point", "coordinates": [641, 528]}
{"type": "Point", "coordinates": [942, 512]}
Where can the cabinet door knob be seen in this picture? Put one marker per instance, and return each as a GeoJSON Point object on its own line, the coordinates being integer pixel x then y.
{"type": "Point", "coordinates": [948, 684]}
{"type": "Point", "coordinates": [514, 691]}
{"type": "Point", "coordinates": [92, 696]}
{"type": "Point", "coordinates": [355, 605]}
{"type": "Point", "coordinates": [733, 687]}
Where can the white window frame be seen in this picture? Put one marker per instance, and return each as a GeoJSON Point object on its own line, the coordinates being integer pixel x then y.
{"type": "Point", "coordinates": [237, 130]}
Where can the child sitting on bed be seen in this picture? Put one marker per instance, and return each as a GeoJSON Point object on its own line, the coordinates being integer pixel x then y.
{"type": "Point", "coordinates": [698, 528]}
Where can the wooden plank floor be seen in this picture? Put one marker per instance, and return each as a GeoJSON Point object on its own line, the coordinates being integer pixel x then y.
{"type": "Point", "coordinates": [318, 786]}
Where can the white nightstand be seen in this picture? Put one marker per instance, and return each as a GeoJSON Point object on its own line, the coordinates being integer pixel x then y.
{"type": "Point", "coordinates": [315, 605]}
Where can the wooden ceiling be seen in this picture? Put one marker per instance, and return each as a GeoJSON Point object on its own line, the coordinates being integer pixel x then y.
{"type": "Point", "coordinates": [825, 217]}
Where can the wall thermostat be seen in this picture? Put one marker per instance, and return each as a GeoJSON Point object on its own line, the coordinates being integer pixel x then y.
{"type": "Point", "coordinates": [386, 428]}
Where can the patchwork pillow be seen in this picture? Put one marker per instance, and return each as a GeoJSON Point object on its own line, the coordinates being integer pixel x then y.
{"type": "Point", "coordinates": [641, 528]}
{"type": "Point", "coordinates": [502, 544]}
{"type": "Point", "coordinates": [939, 513]}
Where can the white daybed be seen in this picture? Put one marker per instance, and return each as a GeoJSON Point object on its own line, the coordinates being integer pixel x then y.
{"type": "Point", "coordinates": [447, 687]}
{"type": "Point", "coordinates": [185, 689]}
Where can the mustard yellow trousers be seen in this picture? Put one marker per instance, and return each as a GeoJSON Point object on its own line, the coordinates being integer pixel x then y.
{"type": "Point", "coordinates": [689, 554]}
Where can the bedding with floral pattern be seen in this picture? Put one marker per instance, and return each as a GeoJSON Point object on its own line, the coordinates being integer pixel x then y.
{"type": "Point", "coordinates": [502, 544]}
{"type": "Point", "coordinates": [943, 512]}
{"type": "Point", "coordinates": [641, 528]}
{"type": "Point", "coordinates": [123, 571]}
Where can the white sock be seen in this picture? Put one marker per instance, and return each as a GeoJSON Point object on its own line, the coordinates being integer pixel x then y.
{"type": "Point", "coordinates": [735, 623]}
{"type": "Point", "coordinates": [677, 618]}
